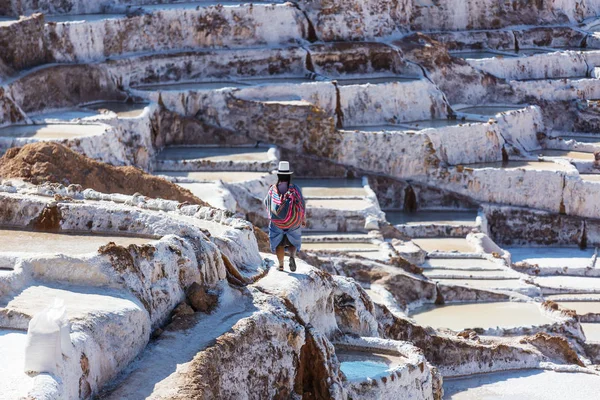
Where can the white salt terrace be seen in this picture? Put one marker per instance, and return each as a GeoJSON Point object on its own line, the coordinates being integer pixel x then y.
{"type": "Point", "coordinates": [360, 365]}
{"type": "Point", "coordinates": [14, 241]}
{"type": "Point", "coordinates": [481, 315]}
{"type": "Point", "coordinates": [7, 21]}
{"type": "Point", "coordinates": [575, 155]}
{"type": "Point", "coordinates": [455, 218]}
{"type": "Point", "coordinates": [460, 245]}
{"type": "Point", "coordinates": [209, 176]}
{"type": "Point", "coordinates": [523, 384]}
{"type": "Point", "coordinates": [209, 153]}
{"type": "Point", "coordinates": [79, 302]}
{"type": "Point", "coordinates": [526, 165]}
{"type": "Point", "coordinates": [552, 257]}
{"type": "Point", "coordinates": [583, 139]}
{"type": "Point", "coordinates": [52, 131]}
{"type": "Point", "coordinates": [14, 380]}
{"type": "Point", "coordinates": [316, 188]}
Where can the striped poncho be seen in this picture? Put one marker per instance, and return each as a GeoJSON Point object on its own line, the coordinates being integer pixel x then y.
{"type": "Point", "coordinates": [286, 211]}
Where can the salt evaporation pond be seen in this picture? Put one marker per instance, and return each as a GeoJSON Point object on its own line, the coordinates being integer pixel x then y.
{"type": "Point", "coordinates": [338, 204]}
{"type": "Point", "coordinates": [576, 155]}
{"type": "Point", "coordinates": [461, 263]}
{"type": "Point", "coordinates": [445, 245]}
{"type": "Point", "coordinates": [182, 86]}
{"type": "Point", "coordinates": [331, 187]}
{"type": "Point", "coordinates": [52, 131]}
{"type": "Point", "coordinates": [581, 307]}
{"type": "Point", "coordinates": [123, 110]}
{"type": "Point", "coordinates": [375, 80]}
{"type": "Point", "coordinates": [436, 123]}
{"type": "Point", "coordinates": [204, 176]}
{"type": "Point", "coordinates": [214, 153]}
{"type": "Point", "coordinates": [592, 332]}
{"type": "Point", "coordinates": [15, 241]}
{"type": "Point", "coordinates": [338, 246]}
{"type": "Point", "coordinates": [360, 365]}
{"type": "Point", "coordinates": [590, 177]}
{"type": "Point", "coordinates": [523, 384]}
{"type": "Point", "coordinates": [488, 110]}
{"type": "Point", "coordinates": [526, 165]}
{"type": "Point", "coordinates": [548, 257]}
{"type": "Point", "coordinates": [480, 315]}
{"type": "Point", "coordinates": [479, 55]}
{"type": "Point", "coordinates": [449, 217]}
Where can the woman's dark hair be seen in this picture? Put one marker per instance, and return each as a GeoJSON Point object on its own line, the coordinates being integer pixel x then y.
{"type": "Point", "coordinates": [284, 178]}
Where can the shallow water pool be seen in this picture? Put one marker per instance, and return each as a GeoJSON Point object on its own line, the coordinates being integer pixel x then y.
{"type": "Point", "coordinates": [359, 365]}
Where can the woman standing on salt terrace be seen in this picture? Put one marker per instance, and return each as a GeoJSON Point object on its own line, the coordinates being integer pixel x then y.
{"type": "Point", "coordinates": [286, 207]}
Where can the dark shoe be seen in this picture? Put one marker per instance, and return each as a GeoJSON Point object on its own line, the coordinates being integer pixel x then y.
{"type": "Point", "coordinates": [280, 268]}
{"type": "Point", "coordinates": [292, 264]}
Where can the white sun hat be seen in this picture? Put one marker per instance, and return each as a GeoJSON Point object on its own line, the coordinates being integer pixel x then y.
{"type": "Point", "coordinates": [284, 168]}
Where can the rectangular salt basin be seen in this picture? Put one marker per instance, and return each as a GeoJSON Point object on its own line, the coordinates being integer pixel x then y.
{"type": "Point", "coordinates": [183, 86]}
{"type": "Point", "coordinates": [374, 81]}
{"type": "Point", "coordinates": [276, 80]}
{"type": "Point", "coordinates": [214, 153]}
{"type": "Point", "coordinates": [565, 283]}
{"type": "Point", "coordinates": [339, 245]}
{"type": "Point", "coordinates": [497, 284]}
{"type": "Point", "coordinates": [331, 187]}
{"type": "Point", "coordinates": [591, 331]}
{"type": "Point", "coordinates": [582, 307]}
{"type": "Point", "coordinates": [523, 385]}
{"type": "Point", "coordinates": [338, 204]}
{"type": "Point", "coordinates": [489, 110]}
{"type": "Point", "coordinates": [478, 55]}
{"type": "Point", "coordinates": [52, 131]}
{"type": "Point", "coordinates": [360, 365]}
{"type": "Point", "coordinates": [481, 315]}
{"type": "Point", "coordinates": [376, 128]}
{"type": "Point", "coordinates": [436, 123]}
{"type": "Point", "coordinates": [81, 18]}
{"type": "Point", "coordinates": [210, 192]}
{"type": "Point", "coordinates": [445, 245]}
{"type": "Point", "coordinates": [526, 165]}
{"type": "Point", "coordinates": [576, 155]}
{"type": "Point", "coordinates": [15, 241]}
{"type": "Point", "coordinates": [590, 177]}
{"type": "Point", "coordinates": [460, 263]}
{"type": "Point", "coordinates": [432, 217]}
{"type": "Point", "coordinates": [225, 176]}
{"type": "Point", "coordinates": [446, 273]}
{"type": "Point", "coordinates": [123, 110]}
{"type": "Point", "coordinates": [552, 257]}
{"type": "Point", "coordinates": [15, 382]}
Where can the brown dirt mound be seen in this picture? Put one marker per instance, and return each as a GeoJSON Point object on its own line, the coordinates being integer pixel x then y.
{"type": "Point", "coordinates": [52, 162]}
{"type": "Point", "coordinates": [263, 240]}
